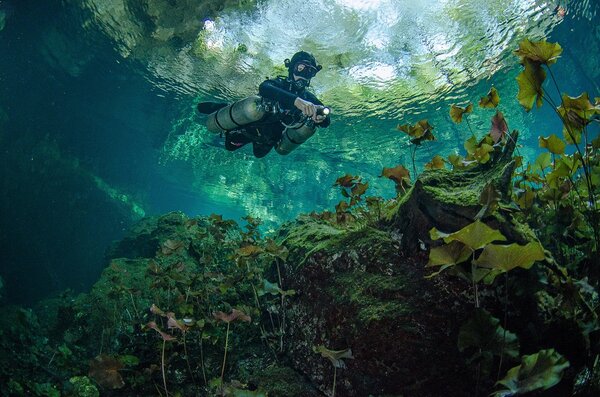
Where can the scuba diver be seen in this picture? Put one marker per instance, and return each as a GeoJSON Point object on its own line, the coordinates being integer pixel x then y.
{"type": "Point", "coordinates": [283, 116]}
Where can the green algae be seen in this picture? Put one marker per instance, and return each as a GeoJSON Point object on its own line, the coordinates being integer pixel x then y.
{"type": "Point", "coordinates": [83, 387]}
{"type": "Point", "coordinates": [376, 296]}
{"type": "Point", "coordinates": [280, 381]}
{"type": "Point", "coordinates": [314, 236]}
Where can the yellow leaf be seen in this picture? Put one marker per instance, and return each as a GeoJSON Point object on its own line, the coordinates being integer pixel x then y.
{"type": "Point", "coordinates": [436, 163]}
{"type": "Point", "coordinates": [539, 51]}
{"type": "Point", "coordinates": [450, 254]}
{"type": "Point", "coordinates": [456, 112]}
{"type": "Point", "coordinates": [530, 85]}
{"type": "Point", "coordinates": [507, 257]}
{"type": "Point", "coordinates": [475, 235]}
{"type": "Point", "coordinates": [553, 143]}
{"type": "Point", "coordinates": [491, 100]}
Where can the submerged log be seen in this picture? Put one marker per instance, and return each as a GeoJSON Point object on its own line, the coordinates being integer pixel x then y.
{"type": "Point", "coordinates": [450, 200]}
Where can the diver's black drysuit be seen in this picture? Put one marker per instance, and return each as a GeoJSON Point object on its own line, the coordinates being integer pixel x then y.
{"type": "Point", "coordinates": [265, 133]}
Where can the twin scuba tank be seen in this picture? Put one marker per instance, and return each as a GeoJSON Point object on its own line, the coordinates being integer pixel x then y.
{"type": "Point", "coordinates": [253, 109]}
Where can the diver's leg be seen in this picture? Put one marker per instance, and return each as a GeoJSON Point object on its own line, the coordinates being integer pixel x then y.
{"type": "Point", "coordinates": [210, 107]}
{"type": "Point", "coordinates": [261, 149]}
{"type": "Point", "coordinates": [235, 140]}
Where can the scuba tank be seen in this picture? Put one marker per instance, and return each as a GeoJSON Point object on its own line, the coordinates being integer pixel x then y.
{"type": "Point", "coordinates": [236, 115]}
{"type": "Point", "coordinates": [296, 134]}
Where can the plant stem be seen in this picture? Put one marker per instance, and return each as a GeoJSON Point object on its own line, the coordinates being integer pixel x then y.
{"type": "Point", "coordinates": [505, 322]}
{"type": "Point", "coordinates": [225, 355]}
{"type": "Point", "coordinates": [163, 367]}
{"type": "Point", "coordinates": [334, 378]}
{"type": "Point", "coordinates": [468, 124]}
{"type": "Point", "coordinates": [202, 357]}
{"type": "Point", "coordinates": [282, 325]}
{"type": "Point", "coordinates": [413, 155]}
{"type": "Point", "coordinates": [187, 359]}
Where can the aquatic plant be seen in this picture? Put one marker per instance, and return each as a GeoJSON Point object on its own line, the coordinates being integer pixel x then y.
{"type": "Point", "coordinates": [573, 177]}
{"type": "Point", "coordinates": [418, 133]}
{"type": "Point", "coordinates": [335, 357]}
{"type": "Point", "coordinates": [541, 370]}
{"type": "Point", "coordinates": [104, 370]}
{"type": "Point", "coordinates": [352, 188]}
{"type": "Point", "coordinates": [228, 319]}
{"type": "Point", "coordinates": [165, 337]}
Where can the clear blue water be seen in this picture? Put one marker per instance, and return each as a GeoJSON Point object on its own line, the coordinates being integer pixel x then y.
{"type": "Point", "coordinates": [97, 98]}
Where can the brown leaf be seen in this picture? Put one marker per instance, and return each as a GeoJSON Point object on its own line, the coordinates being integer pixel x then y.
{"type": "Point", "coordinates": [456, 112]}
{"type": "Point", "coordinates": [360, 188]}
{"type": "Point", "coordinates": [105, 371]}
{"type": "Point", "coordinates": [235, 315]}
{"type": "Point", "coordinates": [174, 323]}
{"type": "Point", "coordinates": [400, 175]}
{"type": "Point", "coordinates": [164, 335]}
{"type": "Point", "coordinates": [249, 250]}
{"type": "Point", "coordinates": [346, 181]}
{"type": "Point", "coordinates": [499, 127]}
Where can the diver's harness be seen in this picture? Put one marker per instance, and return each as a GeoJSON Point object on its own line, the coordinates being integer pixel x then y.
{"type": "Point", "coordinates": [273, 107]}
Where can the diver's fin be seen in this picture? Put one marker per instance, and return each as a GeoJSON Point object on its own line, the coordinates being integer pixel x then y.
{"type": "Point", "coordinates": [210, 107]}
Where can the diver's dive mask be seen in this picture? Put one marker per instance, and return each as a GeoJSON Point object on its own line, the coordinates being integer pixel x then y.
{"type": "Point", "coordinates": [305, 69]}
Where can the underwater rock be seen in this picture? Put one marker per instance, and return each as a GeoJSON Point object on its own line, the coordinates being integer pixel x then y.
{"type": "Point", "coordinates": [356, 289]}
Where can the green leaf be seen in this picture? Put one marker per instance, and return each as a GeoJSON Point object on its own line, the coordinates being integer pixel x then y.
{"type": "Point", "coordinates": [449, 254]}
{"type": "Point", "coordinates": [475, 235]}
{"type": "Point", "coordinates": [553, 143]}
{"type": "Point", "coordinates": [530, 85]}
{"type": "Point", "coordinates": [491, 100]}
{"type": "Point", "coordinates": [507, 257]}
{"type": "Point", "coordinates": [483, 331]}
{"type": "Point", "coordinates": [269, 288]}
{"type": "Point", "coordinates": [471, 144]}
{"type": "Point", "coordinates": [541, 370]}
{"type": "Point", "coordinates": [335, 356]}
{"type": "Point", "coordinates": [542, 162]}
{"type": "Point", "coordinates": [525, 201]}
{"type": "Point", "coordinates": [456, 112]}
{"type": "Point", "coordinates": [540, 52]}
{"type": "Point", "coordinates": [482, 153]}
{"type": "Point", "coordinates": [575, 113]}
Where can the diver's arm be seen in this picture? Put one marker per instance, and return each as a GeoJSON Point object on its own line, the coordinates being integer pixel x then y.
{"type": "Point", "coordinates": [269, 90]}
{"type": "Point", "coordinates": [325, 123]}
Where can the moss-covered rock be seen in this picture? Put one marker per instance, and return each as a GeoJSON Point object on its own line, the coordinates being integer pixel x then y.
{"type": "Point", "coordinates": [356, 289]}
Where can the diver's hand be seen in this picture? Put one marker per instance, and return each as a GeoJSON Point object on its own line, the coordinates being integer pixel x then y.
{"type": "Point", "coordinates": [308, 109]}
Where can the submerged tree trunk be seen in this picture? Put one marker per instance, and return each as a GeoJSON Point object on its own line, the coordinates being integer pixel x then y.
{"type": "Point", "coordinates": [450, 200]}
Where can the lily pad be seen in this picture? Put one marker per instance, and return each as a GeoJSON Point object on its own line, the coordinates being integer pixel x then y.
{"type": "Point", "coordinates": [475, 235]}
{"type": "Point", "coordinates": [553, 143]}
{"type": "Point", "coordinates": [530, 85]}
{"type": "Point", "coordinates": [456, 112]}
{"type": "Point", "coordinates": [436, 163]}
{"type": "Point", "coordinates": [539, 51]}
{"type": "Point", "coordinates": [541, 370]}
{"type": "Point", "coordinates": [491, 100]}
{"type": "Point", "coordinates": [507, 257]}
{"type": "Point", "coordinates": [499, 127]}
{"type": "Point", "coordinates": [449, 254]}
{"type": "Point", "coordinates": [483, 333]}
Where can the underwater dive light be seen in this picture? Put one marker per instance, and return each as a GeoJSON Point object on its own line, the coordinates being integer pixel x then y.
{"type": "Point", "coordinates": [324, 111]}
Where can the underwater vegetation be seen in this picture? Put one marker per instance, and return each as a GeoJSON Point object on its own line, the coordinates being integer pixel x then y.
{"type": "Point", "coordinates": [480, 277]}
